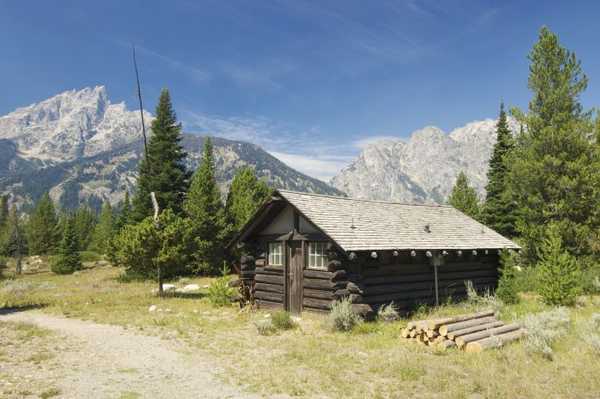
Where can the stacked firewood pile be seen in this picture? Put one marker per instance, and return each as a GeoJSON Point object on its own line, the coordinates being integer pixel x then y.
{"type": "Point", "coordinates": [473, 332]}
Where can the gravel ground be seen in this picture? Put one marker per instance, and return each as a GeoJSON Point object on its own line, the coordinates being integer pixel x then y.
{"type": "Point", "coordinates": [88, 360]}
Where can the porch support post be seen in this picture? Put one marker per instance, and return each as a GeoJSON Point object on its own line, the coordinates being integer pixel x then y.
{"type": "Point", "coordinates": [436, 260]}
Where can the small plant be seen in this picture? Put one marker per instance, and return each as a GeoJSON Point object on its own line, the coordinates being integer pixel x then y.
{"type": "Point", "coordinates": [559, 274]}
{"type": "Point", "coordinates": [387, 313]}
{"type": "Point", "coordinates": [282, 320]}
{"type": "Point", "coordinates": [265, 327]}
{"type": "Point", "coordinates": [342, 317]}
{"type": "Point", "coordinates": [507, 289]}
{"type": "Point", "coordinates": [487, 300]}
{"type": "Point", "coordinates": [543, 329]}
{"type": "Point", "coordinates": [219, 292]}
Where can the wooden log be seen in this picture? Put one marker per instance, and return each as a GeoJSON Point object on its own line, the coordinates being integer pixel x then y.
{"type": "Point", "coordinates": [270, 270]}
{"type": "Point", "coordinates": [446, 344]}
{"type": "Point", "coordinates": [268, 296]}
{"type": "Point", "coordinates": [341, 293]}
{"type": "Point", "coordinates": [317, 303]}
{"type": "Point", "coordinates": [465, 339]}
{"type": "Point", "coordinates": [446, 328]}
{"type": "Point", "coordinates": [318, 274]}
{"type": "Point", "coordinates": [269, 287]}
{"type": "Point", "coordinates": [355, 288]}
{"type": "Point", "coordinates": [413, 333]}
{"type": "Point", "coordinates": [432, 333]}
{"type": "Point", "coordinates": [435, 324]}
{"type": "Point", "coordinates": [269, 279]}
{"type": "Point", "coordinates": [495, 341]}
{"type": "Point", "coordinates": [469, 330]}
{"type": "Point", "coordinates": [268, 304]}
{"type": "Point", "coordinates": [405, 333]}
{"type": "Point", "coordinates": [319, 294]}
{"type": "Point", "coordinates": [260, 262]}
{"type": "Point", "coordinates": [321, 284]}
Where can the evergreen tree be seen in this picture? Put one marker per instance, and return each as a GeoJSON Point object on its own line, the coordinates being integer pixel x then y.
{"type": "Point", "coordinates": [207, 215]}
{"type": "Point", "coordinates": [507, 290]}
{"type": "Point", "coordinates": [124, 216]}
{"type": "Point", "coordinates": [559, 275]}
{"type": "Point", "coordinates": [42, 229]}
{"type": "Point", "coordinates": [164, 171]}
{"type": "Point", "coordinates": [85, 223]}
{"type": "Point", "coordinates": [14, 242]}
{"type": "Point", "coordinates": [553, 174]}
{"type": "Point", "coordinates": [246, 194]}
{"type": "Point", "coordinates": [68, 260]}
{"type": "Point", "coordinates": [499, 211]}
{"type": "Point", "coordinates": [104, 231]}
{"type": "Point", "coordinates": [464, 197]}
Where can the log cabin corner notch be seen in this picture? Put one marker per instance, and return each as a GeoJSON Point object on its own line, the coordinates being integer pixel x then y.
{"type": "Point", "coordinates": [309, 250]}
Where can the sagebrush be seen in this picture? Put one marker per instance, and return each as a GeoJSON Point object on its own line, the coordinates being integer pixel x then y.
{"type": "Point", "coordinates": [342, 317]}
{"type": "Point", "coordinates": [544, 329]}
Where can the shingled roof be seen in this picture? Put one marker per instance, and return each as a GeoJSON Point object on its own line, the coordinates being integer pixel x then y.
{"type": "Point", "coordinates": [359, 225]}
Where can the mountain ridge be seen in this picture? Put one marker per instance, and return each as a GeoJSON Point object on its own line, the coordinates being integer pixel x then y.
{"type": "Point", "coordinates": [84, 149]}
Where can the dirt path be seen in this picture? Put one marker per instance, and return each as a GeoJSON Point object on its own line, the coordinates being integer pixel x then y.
{"type": "Point", "coordinates": [102, 361]}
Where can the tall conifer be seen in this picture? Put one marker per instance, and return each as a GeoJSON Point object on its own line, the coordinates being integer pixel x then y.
{"type": "Point", "coordinates": [499, 209]}
{"type": "Point", "coordinates": [205, 209]}
{"type": "Point", "coordinates": [42, 230]}
{"type": "Point", "coordinates": [554, 169]}
{"type": "Point", "coordinates": [105, 230]}
{"type": "Point", "coordinates": [164, 171]}
{"type": "Point", "coordinates": [464, 197]}
{"type": "Point", "coordinates": [68, 260]}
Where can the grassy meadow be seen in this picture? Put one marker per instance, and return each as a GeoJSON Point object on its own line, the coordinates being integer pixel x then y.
{"type": "Point", "coordinates": [311, 360]}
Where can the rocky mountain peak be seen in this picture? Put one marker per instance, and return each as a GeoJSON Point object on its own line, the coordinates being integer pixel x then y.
{"type": "Point", "coordinates": [424, 167]}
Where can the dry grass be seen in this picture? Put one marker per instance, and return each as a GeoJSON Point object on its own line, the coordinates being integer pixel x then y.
{"type": "Point", "coordinates": [370, 361]}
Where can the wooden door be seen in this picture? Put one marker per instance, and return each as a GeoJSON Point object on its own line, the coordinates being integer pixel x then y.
{"type": "Point", "coordinates": [295, 270]}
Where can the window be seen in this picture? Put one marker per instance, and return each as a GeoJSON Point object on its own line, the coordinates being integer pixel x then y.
{"type": "Point", "coordinates": [316, 255]}
{"type": "Point", "coordinates": [275, 254]}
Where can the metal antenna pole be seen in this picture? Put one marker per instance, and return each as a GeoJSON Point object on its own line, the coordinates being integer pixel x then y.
{"type": "Point", "coordinates": [139, 93]}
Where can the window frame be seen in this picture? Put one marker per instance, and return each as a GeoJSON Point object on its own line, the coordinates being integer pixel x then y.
{"type": "Point", "coordinates": [319, 255]}
{"type": "Point", "coordinates": [277, 255]}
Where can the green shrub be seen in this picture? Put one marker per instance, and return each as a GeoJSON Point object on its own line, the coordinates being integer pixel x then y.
{"type": "Point", "coordinates": [139, 248]}
{"type": "Point", "coordinates": [559, 274]}
{"type": "Point", "coordinates": [342, 317]}
{"type": "Point", "coordinates": [526, 279]}
{"type": "Point", "coordinates": [387, 313]}
{"type": "Point", "coordinates": [219, 292]}
{"type": "Point", "coordinates": [265, 327]}
{"type": "Point", "coordinates": [486, 300]}
{"type": "Point", "coordinates": [90, 256]}
{"type": "Point", "coordinates": [543, 329]}
{"type": "Point", "coordinates": [282, 320]}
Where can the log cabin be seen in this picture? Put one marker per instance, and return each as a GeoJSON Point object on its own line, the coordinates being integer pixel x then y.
{"type": "Point", "coordinates": [305, 251]}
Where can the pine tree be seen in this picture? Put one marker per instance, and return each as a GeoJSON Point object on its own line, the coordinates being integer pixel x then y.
{"type": "Point", "coordinates": [464, 197]}
{"type": "Point", "coordinates": [246, 194]}
{"type": "Point", "coordinates": [85, 223]}
{"type": "Point", "coordinates": [104, 231]}
{"type": "Point", "coordinates": [559, 275]}
{"type": "Point", "coordinates": [206, 212]}
{"type": "Point", "coordinates": [68, 260]}
{"type": "Point", "coordinates": [164, 171]}
{"type": "Point", "coordinates": [124, 216]}
{"type": "Point", "coordinates": [14, 242]}
{"type": "Point", "coordinates": [499, 211]}
{"type": "Point", "coordinates": [553, 175]}
{"type": "Point", "coordinates": [42, 230]}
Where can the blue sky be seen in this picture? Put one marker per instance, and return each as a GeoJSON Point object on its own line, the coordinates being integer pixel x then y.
{"type": "Point", "coordinates": [310, 81]}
